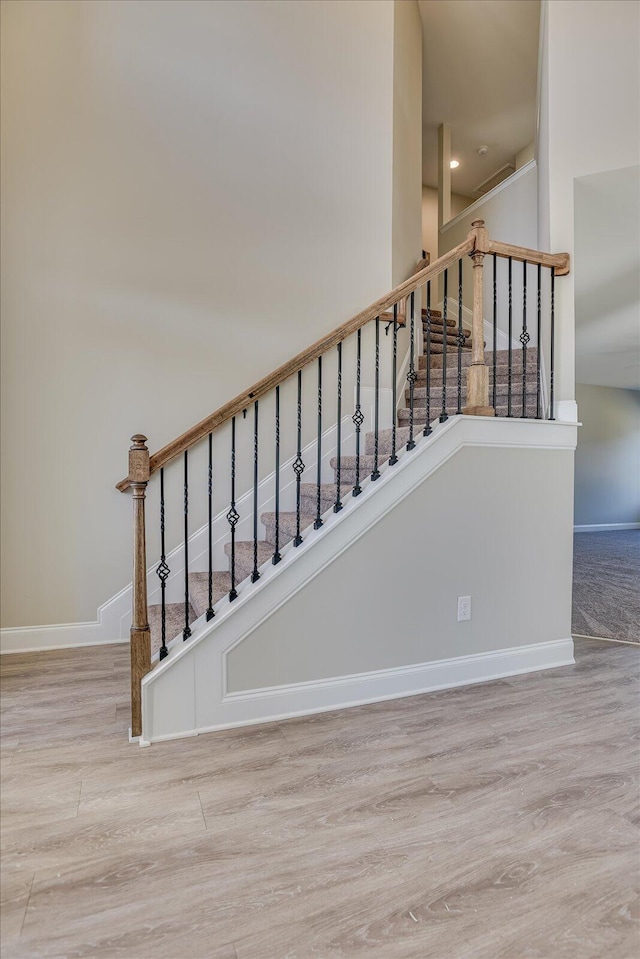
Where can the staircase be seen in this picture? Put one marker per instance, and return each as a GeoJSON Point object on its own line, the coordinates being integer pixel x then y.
{"type": "Point", "coordinates": [448, 373]}
{"type": "Point", "coordinates": [328, 492]}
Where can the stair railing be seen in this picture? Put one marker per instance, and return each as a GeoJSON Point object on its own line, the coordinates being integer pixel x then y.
{"type": "Point", "coordinates": [430, 344]}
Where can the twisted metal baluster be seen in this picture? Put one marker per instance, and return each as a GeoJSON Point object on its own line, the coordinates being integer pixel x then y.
{"type": "Point", "coordinates": [276, 548]}
{"type": "Point", "coordinates": [358, 416]}
{"type": "Point", "coordinates": [539, 349]}
{"type": "Point", "coordinates": [412, 376]}
{"type": "Point", "coordinates": [393, 459]}
{"type": "Point", "coordinates": [495, 329]}
{"type": "Point", "coordinates": [210, 613]}
{"type": "Point", "coordinates": [255, 575]}
{"type": "Point", "coordinates": [186, 632]}
{"type": "Point", "coordinates": [338, 503]}
{"type": "Point", "coordinates": [232, 515]}
{"type": "Point", "coordinates": [552, 335]}
{"type": "Point", "coordinates": [376, 406]}
{"type": "Point", "coordinates": [318, 521]}
{"type": "Point", "coordinates": [443, 415]}
{"type": "Point", "coordinates": [524, 339]}
{"type": "Point", "coordinates": [298, 465]}
{"type": "Point", "coordinates": [427, 426]}
{"type": "Point", "coordinates": [460, 339]}
{"type": "Point", "coordinates": [163, 572]}
{"type": "Point", "coordinates": [510, 348]}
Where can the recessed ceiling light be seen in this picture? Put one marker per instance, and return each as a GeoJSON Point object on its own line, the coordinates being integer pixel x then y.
{"type": "Point", "coordinates": [454, 163]}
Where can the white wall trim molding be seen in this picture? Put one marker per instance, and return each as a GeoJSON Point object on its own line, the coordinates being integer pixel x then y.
{"type": "Point", "coordinates": [341, 692]}
{"type": "Point", "coordinates": [31, 639]}
{"type": "Point", "coordinates": [475, 207]}
{"type": "Point", "coordinates": [179, 695]}
{"type": "Point", "coordinates": [603, 527]}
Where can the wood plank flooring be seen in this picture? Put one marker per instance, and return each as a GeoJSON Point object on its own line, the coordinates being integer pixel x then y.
{"type": "Point", "coordinates": [497, 821]}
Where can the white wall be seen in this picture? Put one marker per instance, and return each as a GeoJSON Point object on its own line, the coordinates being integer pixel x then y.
{"type": "Point", "coordinates": [607, 471]}
{"type": "Point", "coordinates": [430, 235]}
{"type": "Point", "coordinates": [589, 123]}
{"type": "Point", "coordinates": [191, 193]}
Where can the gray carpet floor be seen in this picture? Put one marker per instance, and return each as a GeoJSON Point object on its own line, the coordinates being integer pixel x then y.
{"type": "Point", "coordinates": [606, 585]}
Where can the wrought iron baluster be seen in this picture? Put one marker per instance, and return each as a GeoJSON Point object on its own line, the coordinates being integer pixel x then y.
{"type": "Point", "coordinates": [460, 339]}
{"type": "Point", "coordinates": [162, 571]}
{"type": "Point", "coordinates": [552, 336]}
{"type": "Point", "coordinates": [276, 548]}
{"type": "Point", "coordinates": [376, 406]}
{"type": "Point", "coordinates": [510, 347]}
{"type": "Point", "coordinates": [338, 503]}
{"type": "Point", "coordinates": [318, 520]}
{"type": "Point", "coordinates": [412, 376]}
{"type": "Point", "coordinates": [358, 416]}
{"type": "Point", "coordinates": [427, 426]}
{"type": "Point", "coordinates": [186, 632]}
{"type": "Point", "coordinates": [393, 459]}
{"type": "Point", "coordinates": [210, 612]}
{"type": "Point", "coordinates": [443, 414]}
{"type": "Point", "coordinates": [524, 339]}
{"type": "Point", "coordinates": [232, 515]}
{"type": "Point", "coordinates": [298, 465]}
{"type": "Point", "coordinates": [495, 330]}
{"type": "Point", "coordinates": [255, 575]}
{"type": "Point", "coordinates": [539, 349]}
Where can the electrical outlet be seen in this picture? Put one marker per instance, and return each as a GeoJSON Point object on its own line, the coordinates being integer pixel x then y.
{"type": "Point", "coordinates": [464, 608]}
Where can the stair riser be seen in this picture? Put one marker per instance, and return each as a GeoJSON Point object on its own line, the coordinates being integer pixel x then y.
{"type": "Point", "coordinates": [502, 390]}
{"type": "Point", "coordinates": [501, 410]}
{"type": "Point", "coordinates": [502, 359]}
{"type": "Point", "coordinates": [308, 499]}
{"type": "Point", "coordinates": [502, 376]}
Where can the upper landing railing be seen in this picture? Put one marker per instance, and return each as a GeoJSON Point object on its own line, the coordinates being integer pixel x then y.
{"type": "Point", "coordinates": [442, 354]}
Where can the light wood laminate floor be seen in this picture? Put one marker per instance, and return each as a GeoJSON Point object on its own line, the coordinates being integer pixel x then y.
{"type": "Point", "coordinates": [498, 821]}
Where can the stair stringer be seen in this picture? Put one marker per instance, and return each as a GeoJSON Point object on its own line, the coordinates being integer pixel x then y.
{"type": "Point", "coordinates": [188, 694]}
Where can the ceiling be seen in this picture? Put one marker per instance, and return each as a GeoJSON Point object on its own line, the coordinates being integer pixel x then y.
{"type": "Point", "coordinates": [607, 278]}
{"type": "Point", "coordinates": [480, 67]}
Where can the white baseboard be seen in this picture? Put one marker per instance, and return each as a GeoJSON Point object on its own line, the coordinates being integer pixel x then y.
{"type": "Point", "coordinates": [603, 527]}
{"type": "Point", "coordinates": [33, 639]}
{"type": "Point", "coordinates": [342, 692]}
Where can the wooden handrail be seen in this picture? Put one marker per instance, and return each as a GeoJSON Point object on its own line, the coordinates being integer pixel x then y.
{"type": "Point", "coordinates": [558, 261]}
{"type": "Point", "coordinates": [321, 346]}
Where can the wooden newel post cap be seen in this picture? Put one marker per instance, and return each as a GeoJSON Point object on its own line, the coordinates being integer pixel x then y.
{"type": "Point", "coordinates": [477, 223]}
{"type": "Point", "coordinates": [139, 459]}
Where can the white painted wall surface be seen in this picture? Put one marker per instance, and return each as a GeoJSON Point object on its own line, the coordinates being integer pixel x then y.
{"type": "Point", "coordinates": [589, 123]}
{"type": "Point", "coordinates": [607, 486]}
{"type": "Point", "coordinates": [191, 193]}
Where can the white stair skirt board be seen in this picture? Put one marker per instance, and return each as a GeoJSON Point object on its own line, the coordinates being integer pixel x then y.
{"type": "Point", "coordinates": [341, 692]}
{"type": "Point", "coordinates": [604, 527]}
{"type": "Point", "coordinates": [191, 682]}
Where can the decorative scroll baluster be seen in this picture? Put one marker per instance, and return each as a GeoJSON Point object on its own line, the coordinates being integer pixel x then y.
{"type": "Point", "coordinates": [232, 515]}
{"type": "Point", "coordinates": [358, 416]}
{"type": "Point", "coordinates": [318, 520]}
{"type": "Point", "coordinates": [539, 349]}
{"type": "Point", "coordinates": [495, 331]}
{"type": "Point", "coordinates": [427, 426]}
{"type": "Point", "coordinates": [376, 406]}
{"type": "Point", "coordinates": [210, 612]}
{"type": "Point", "coordinates": [276, 548]}
{"type": "Point", "coordinates": [510, 334]}
{"type": "Point", "coordinates": [162, 571]}
{"type": "Point", "coordinates": [140, 634]}
{"type": "Point", "coordinates": [393, 459]}
{"type": "Point", "coordinates": [524, 339]}
{"type": "Point", "coordinates": [298, 465]}
{"type": "Point", "coordinates": [412, 376]}
{"type": "Point", "coordinates": [443, 413]}
{"type": "Point", "coordinates": [338, 503]}
{"type": "Point", "coordinates": [186, 632]}
{"type": "Point", "coordinates": [460, 338]}
{"type": "Point", "coordinates": [255, 575]}
{"type": "Point", "coordinates": [552, 335]}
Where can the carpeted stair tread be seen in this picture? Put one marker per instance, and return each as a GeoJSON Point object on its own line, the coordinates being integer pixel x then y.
{"type": "Point", "coordinates": [436, 317]}
{"type": "Point", "coordinates": [287, 526]}
{"type": "Point", "coordinates": [308, 496]}
{"type": "Point", "coordinates": [385, 440]}
{"type": "Point", "coordinates": [199, 589]}
{"type": "Point", "coordinates": [502, 375]}
{"type": "Point", "coordinates": [419, 412]}
{"type": "Point", "coordinates": [502, 359]}
{"type": "Point", "coordinates": [244, 556]}
{"type": "Point", "coordinates": [452, 340]}
{"type": "Point", "coordinates": [502, 389]}
{"type": "Point", "coordinates": [174, 622]}
{"type": "Point", "coordinates": [451, 349]}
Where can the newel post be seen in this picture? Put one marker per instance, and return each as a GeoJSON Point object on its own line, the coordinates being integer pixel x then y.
{"type": "Point", "coordinates": [478, 377]}
{"type": "Point", "coordinates": [140, 633]}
